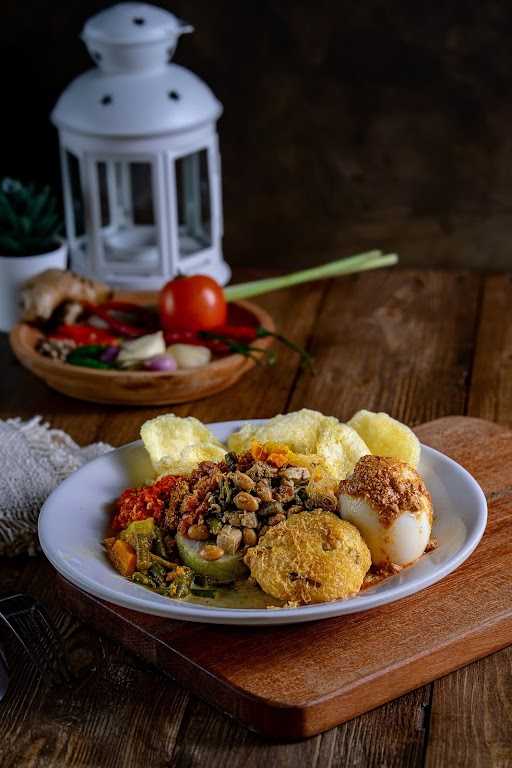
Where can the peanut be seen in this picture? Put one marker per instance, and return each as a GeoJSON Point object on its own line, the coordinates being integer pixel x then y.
{"type": "Point", "coordinates": [246, 502]}
{"type": "Point", "coordinates": [198, 532]}
{"type": "Point", "coordinates": [250, 537]}
{"type": "Point", "coordinates": [243, 481]}
{"type": "Point", "coordinates": [211, 552]}
{"type": "Point", "coordinates": [264, 490]}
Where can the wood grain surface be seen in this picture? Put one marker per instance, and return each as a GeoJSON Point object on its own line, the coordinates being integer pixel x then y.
{"type": "Point", "coordinates": [125, 714]}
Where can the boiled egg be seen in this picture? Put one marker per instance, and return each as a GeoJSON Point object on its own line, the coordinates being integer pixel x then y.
{"type": "Point", "coordinates": [388, 502]}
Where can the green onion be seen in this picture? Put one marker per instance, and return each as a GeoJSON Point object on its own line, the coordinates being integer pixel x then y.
{"type": "Point", "coordinates": [162, 561]}
{"type": "Point", "coordinates": [202, 592]}
{"type": "Point", "coordinates": [359, 263]}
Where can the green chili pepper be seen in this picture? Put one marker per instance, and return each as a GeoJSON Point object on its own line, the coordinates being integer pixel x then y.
{"type": "Point", "coordinates": [88, 356]}
{"type": "Point", "coordinates": [89, 350]}
{"type": "Point", "coordinates": [90, 362]}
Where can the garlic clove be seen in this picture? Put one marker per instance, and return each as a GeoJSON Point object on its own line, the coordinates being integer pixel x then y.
{"type": "Point", "coordinates": [189, 355]}
{"type": "Point", "coordinates": [136, 350]}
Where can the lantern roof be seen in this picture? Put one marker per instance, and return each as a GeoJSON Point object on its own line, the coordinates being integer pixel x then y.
{"type": "Point", "coordinates": [129, 23]}
{"type": "Point", "coordinates": [170, 101]}
{"type": "Point", "coordinates": [134, 90]}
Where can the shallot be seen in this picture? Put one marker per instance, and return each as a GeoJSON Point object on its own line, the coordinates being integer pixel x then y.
{"type": "Point", "coordinates": [160, 363]}
{"type": "Point", "coordinates": [135, 351]}
{"type": "Point", "coordinates": [109, 355]}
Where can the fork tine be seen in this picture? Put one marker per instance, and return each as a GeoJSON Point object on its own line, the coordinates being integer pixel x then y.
{"type": "Point", "coordinates": [11, 605]}
{"type": "Point", "coordinates": [43, 653]}
{"type": "Point", "coordinates": [53, 641]}
{"type": "Point", "coordinates": [29, 622]}
{"type": "Point", "coordinates": [20, 637]}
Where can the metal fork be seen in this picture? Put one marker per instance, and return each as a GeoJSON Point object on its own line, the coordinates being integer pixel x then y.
{"type": "Point", "coordinates": [4, 674]}
{"type": "Point", "coordinates": [30, 624]}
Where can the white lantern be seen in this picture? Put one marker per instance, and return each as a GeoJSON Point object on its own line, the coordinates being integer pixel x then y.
{"type": "Point", "coordinates": [140, 156]}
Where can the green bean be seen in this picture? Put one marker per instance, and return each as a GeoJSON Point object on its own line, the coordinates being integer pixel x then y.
{"type": "Point", "coordinates": [141, 578]}
{"type": "Point", "coordinates": [158, 573]}
{"type": "Point", "coordinates": [159, 543]}
{"type": "Point", "coordinates": [142, 549]}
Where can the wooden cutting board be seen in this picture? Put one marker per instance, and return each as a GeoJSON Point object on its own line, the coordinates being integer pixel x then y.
{"type": "Point", "coordinates": [291, 682]}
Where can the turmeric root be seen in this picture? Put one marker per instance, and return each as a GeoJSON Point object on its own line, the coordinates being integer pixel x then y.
{"type": "Point", "coordinates": [42, 294]}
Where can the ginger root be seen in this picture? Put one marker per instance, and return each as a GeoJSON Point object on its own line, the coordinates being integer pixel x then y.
{"type": "Point", "coordinates": [42, 294]}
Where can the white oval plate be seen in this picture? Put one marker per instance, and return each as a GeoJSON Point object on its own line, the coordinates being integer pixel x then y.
{"type": "Point", "coordinates": [73, 520]}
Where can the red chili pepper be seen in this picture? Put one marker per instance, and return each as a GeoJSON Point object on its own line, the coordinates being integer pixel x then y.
{"type": "Point", "coordinates": [196, 339]}
{"type": "Point", "coordinates": [84, 335]}
{"type": "Point", "coordinates": [182, 337]}
{"type": "Point", "coordinates": [237, 339]}
{"type": "Point", "coordinates": [245, 333]}
{"type": "Point", "coordinates": [217, 346]}
{"type": "Point", "coordinates": [140, 503]}
{"type": "Point", "coordinates": [145, 321]}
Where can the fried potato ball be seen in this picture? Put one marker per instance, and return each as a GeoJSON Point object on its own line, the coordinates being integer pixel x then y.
{"type": "Point", "coordinates": [311, 557]}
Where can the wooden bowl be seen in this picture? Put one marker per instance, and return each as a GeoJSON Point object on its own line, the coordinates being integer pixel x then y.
{"type": "Point", "coordinates": [140, 387]}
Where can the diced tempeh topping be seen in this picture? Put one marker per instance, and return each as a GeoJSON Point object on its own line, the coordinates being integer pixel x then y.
{"type": "Point", "coordinates": [248, 520]}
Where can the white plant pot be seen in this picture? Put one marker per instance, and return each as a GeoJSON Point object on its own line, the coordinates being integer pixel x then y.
{"type": "Point", "coordinates": [16, 270]}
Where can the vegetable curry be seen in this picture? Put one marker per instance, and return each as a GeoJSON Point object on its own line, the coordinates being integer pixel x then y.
{"type": "Point", "coordinates": [187, 537]}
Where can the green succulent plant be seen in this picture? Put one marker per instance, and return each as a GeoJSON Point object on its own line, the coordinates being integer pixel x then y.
{"type": "Point", "coordinates": [29, 219]}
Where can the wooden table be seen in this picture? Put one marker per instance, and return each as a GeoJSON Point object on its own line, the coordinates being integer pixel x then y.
{"type": "Point", "coordinates": [418, 344]}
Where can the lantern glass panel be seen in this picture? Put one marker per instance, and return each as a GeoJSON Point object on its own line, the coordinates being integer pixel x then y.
{"type": "Point", "coordinates": [141, 190]}
{"type": "Point", "coordinates": [103, 192]}
{"type": "Point", "coordinates": [127, 215]}
{"type": "Point", "coordinates": [193, 203]}
{"type": "Point", "coordinates": [75, 191]}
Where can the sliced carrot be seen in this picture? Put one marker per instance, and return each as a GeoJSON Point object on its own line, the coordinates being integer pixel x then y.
{"type": "Point", "coordinates": [274, 453]}
{"type": "Point", "coordinates": [123, 557]}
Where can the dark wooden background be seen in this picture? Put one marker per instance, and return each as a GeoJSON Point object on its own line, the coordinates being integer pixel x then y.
{"type": "Point", "coordinates": [346, 124]}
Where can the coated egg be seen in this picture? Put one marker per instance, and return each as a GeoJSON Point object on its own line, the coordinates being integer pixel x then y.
{"type": "Point", "coordinates": [388, 502]}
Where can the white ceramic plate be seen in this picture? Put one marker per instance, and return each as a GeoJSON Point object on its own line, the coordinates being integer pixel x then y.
{"type": "Point", "coordinates": [73, 520]}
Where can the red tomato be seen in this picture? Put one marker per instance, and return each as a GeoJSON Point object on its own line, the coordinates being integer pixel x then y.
{"type": "Point", "coordinates": [193, 303]}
